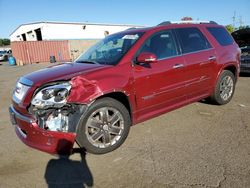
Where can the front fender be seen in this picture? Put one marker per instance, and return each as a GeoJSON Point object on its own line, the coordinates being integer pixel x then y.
{"type": "Point", "coordinates": [85, 90]}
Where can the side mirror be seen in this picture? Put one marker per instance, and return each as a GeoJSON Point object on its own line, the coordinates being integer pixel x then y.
{"type": "Point", "coordinates": [146, 57]}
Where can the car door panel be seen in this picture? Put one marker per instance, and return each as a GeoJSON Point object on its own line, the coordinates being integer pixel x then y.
{"type": "Point", "coordinates": [199, 72]}
{"type": "Point", "coordinates": [160, 85]}
{"type": "Point", "coordinates": [199, 60]}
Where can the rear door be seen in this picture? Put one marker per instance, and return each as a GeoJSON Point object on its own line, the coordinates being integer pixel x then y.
{"type": "Point", "coordinates": [200, 60]}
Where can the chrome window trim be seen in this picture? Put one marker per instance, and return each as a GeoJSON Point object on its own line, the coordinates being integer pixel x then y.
{"type": "Point", "coordinates": [185, 54]}
{"type": "Point", "coordinates": [166, 58]}
{"type": "Point", "coordinates": [198, 51]}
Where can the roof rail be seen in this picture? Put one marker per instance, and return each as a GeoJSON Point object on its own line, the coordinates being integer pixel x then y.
{"type": "Point", "coordinates": [187, 22]}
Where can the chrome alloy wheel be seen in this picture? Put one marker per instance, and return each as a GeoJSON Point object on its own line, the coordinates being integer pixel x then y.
{"type": "Point", "coordinates": [104, 127]}
{"type": "Point", "coordinates": [226, 88]}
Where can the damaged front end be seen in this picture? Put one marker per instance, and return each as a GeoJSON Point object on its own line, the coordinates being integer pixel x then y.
{"type": "Point", "coordinates": [46, 117]}
{"type": "Point", "coordinates": [52, 111]}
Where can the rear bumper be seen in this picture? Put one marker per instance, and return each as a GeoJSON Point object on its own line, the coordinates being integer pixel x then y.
{"type": "Point", "coordinates": [48, 141]}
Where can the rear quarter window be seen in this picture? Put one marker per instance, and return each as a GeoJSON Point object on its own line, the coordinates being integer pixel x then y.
{"type": "Point", "coordinates": [221, 35]}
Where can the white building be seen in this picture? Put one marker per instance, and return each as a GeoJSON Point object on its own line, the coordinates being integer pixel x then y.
{"type": "Point", "coordinates": [63, 31]}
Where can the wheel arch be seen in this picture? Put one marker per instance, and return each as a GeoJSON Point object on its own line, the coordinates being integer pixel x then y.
{"type": "Point", "coordinates": [215, 97]}
{"type": "Point", "coordinates": [230, 67]}
{"type": "Point", "coordinates": [233, 69]}
{"type": "Point", "coordinates": [121, 97]}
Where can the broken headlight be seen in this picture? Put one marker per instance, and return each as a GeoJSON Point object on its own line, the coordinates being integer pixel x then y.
{"type": "Point", "coordinates": [52, 96]}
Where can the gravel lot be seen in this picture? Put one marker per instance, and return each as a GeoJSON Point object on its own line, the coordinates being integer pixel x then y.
{"type": "Point", "coordinates": [199, 145]}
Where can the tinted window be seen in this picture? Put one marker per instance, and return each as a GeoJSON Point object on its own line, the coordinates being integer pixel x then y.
{"type": "Point", "coordinates": [221, 35]}
{"type": "Point", "coordinates": [161, 44]}
{"type": "Point", "coordinates": [192, 40]}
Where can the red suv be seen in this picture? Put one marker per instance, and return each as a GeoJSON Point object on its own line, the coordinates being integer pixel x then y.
{"type": "Point", "coordinates": [124, 79]}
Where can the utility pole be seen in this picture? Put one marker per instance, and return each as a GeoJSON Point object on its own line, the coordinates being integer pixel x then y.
{"type": "Point", "coordinates": [241, 21]}
{"type": "Point", "coordinates": [234, 18]}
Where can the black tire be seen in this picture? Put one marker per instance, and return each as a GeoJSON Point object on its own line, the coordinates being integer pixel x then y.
{"type": "Point", "coordinates": [217, 94]}
{"type": "Point", "coordinates": [84, 139]}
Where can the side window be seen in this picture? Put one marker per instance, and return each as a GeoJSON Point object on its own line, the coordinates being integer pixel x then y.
{"type": "Point", "coordinates": [161, 44]}
{"type": "Point", "coordinates": [221, 35]}
{"type": "Point", "coordinates": [192, 40]}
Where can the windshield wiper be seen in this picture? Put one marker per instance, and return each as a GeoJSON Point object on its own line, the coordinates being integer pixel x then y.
{"type": "Point", "coordinates": [87, 61]}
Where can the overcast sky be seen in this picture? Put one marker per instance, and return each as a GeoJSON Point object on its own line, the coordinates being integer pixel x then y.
{"type": "Point", "coordinates": [139, 12]}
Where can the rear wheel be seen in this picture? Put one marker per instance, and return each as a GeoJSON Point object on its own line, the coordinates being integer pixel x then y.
{"type": "Point", "coordinates": [104, 127]}
{"type": "Point", "coordinates": [224, 88]}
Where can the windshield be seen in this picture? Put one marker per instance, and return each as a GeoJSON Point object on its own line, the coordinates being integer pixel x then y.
{"type": "Point", "coordinates": [110, 50]}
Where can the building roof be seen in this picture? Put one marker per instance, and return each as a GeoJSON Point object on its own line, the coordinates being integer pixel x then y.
{"type": "Point", "coordinates": [75, 23]}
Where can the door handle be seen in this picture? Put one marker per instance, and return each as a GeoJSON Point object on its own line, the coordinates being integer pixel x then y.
{"type": "Point", "coordinates": [176, 66]}
{"type": "Point", "coordinates": [211, 58]}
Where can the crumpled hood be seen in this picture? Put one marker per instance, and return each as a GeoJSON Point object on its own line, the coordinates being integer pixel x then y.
{"type": "Point", "coordinates": [63, 71]}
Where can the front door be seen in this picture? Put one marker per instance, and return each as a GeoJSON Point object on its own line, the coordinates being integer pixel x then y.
{"type": "Point", "coordinates": [161, 85]}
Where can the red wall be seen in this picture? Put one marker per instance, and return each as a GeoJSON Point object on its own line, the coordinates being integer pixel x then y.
{"type": "Point", "coordinates": [27, 52]}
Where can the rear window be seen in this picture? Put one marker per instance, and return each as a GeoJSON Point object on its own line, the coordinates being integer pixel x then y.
{"type": "Point", "coordinates": [192, 40]}
{"type": "Point", "coordinates": [221, 35]}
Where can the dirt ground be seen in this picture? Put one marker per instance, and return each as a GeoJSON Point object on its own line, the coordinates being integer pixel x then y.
{"type": "Point", "coordinates": [199, 145]}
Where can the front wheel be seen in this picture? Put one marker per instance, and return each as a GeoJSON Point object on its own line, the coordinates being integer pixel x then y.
{"type": "Point", "coordinates": [224, 88]}
{"type": "Point", "coordinates": [104, 127]}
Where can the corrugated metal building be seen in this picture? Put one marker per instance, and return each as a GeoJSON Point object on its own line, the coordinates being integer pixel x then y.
{"type": "Point", "coordinates": [40, 51]}
{"type": "Point", "coordinates": [28, 52]}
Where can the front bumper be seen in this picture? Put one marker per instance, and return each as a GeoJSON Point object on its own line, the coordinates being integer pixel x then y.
{"type": "Point", "coordinates": [32, 135]}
